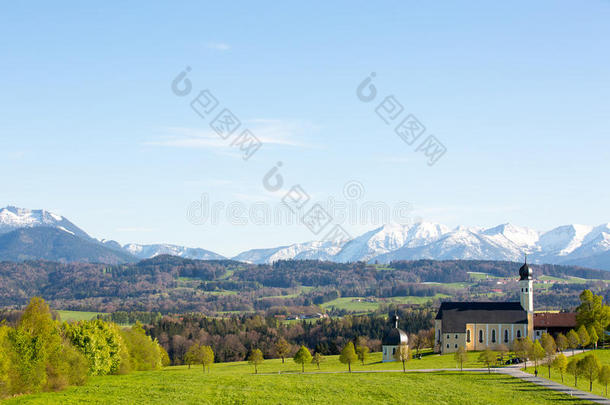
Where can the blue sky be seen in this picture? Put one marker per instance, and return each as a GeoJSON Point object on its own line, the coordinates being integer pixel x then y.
{"type": "Point", "coordinates": [518, 93]}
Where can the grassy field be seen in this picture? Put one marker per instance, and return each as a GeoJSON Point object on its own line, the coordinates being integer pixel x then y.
{"type": "Point", "coordinates": [70, 316]}
{"type": "Point", "coordinates": [583, 383]}
{"type": "Point", "coordinates": [368, 304]}
{"type": "Point", "coordinates": [235, 383]}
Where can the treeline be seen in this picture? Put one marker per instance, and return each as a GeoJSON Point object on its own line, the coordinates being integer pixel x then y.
{"type": "Point", "coordinates": [449, 271]}
{"type": "Point", "coordinates": [233, 338]}
{"type": "Point", "coordinates": [128, 318]}
{"type": "Point", "coordinates": [40, 354]}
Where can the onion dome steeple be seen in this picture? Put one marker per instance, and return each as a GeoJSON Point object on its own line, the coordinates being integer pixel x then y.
{"type": "Point", "coordinates": [525, 272]}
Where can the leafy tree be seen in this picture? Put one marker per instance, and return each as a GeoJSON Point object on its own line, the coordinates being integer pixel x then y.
{"type": "Point", "coordinates": [282, 348]}
{"type": "Point", "coordinates": [562, 342]}
{"type": "Point", "coordinates": [487, 357]}
{"type": "Point", "coordinates": [144, 352]}
{"type": "Point", "coordinates": [461, 356]}
{"type": "Point", "coordinates": [255, 358]}
{"type": "Point", "coordinates": [560, 363]}
{"type": "Point", "coordinates": [192, 355]}
{"type": "Point", "coordinates": [164, 357]}
{"type": "Point", "coordinates": [207, 357]}
{"type": "Point", "coordinates": [418, 341]}
{"type": "Point", "coordinates": [100, 342]}
{"type": "Point", "coordinates": [589, 367]}
{"type": "Point", "coordinates": [68, 367]}
{"type": "Point", "coordinates": [573, 340]}
{"type": "Point", "coordinates": [573, 369]}
{"type": "Point", "coordinates": [348, 355]}
{"type": "Point", "coordinates": [28, 371]}
{"type": "Point", "coordinates": [522, 348]}
{"type": "Point", "coordinates": [302, 356]}
{"type": "Point", "coordinates": [550, 347]}
{"type": "Point", "coordinates": [583, 336]}
{"type": "Point", "coordinates": [38, 345]}
{"type": "Point", "coordinates": [403, 354]}
{"type": "Point", "coordinates": [317, 359]}
{"type": "Point", "coordinates": [593, 312]}
{"type": "Point", "coordinates": [536, 353]}
{"type": "Point", "coordinates": [5, 361]}
{"type": "Point", "coordinates": [604, 377]}
{"type": "Point", "coordinates": [593, 338]}
{"type": "Point", "coordinates": [363, 353]}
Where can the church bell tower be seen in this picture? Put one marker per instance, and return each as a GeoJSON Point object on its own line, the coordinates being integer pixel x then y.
{"type": "Point", "coordinates": [526, 284]}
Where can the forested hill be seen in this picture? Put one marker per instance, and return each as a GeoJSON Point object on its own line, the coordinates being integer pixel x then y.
{"type": "Point", "coordinates": [173, 284]}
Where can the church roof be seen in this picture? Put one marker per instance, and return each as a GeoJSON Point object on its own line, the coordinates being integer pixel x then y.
{"type": "Point", "coordinates": [455, 315]}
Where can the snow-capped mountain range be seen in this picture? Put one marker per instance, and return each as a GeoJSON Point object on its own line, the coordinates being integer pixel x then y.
{"type": "Point", "coordinates": [573, 244]}
{"type": "Point", "coordinates": [570, 244]}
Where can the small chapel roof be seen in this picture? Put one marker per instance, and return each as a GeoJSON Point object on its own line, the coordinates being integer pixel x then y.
{"type": "Point", "coordinates": [395, 336]}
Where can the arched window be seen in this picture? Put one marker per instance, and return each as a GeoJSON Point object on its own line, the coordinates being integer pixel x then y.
{"type": "Point", "coordinates": [439, 336]}
{"type": "Point", "coordinates": [468, 336]}
{"type": "Point", "coordinates": [493, 336]}
{"type": "Point", "coordinates": [393, 350]}
{"type": "Point", "coordinates": [518, 334]}
{"type": "Point", "coordinates": [506, 336]}
{"type": "Point", "coordinates": [480, 336]}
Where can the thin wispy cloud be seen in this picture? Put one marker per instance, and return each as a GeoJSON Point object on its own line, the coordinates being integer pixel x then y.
{"type": "Point", "coordinates": [218, 46]}
{"type": "Point", "coordinates": [269, 132]}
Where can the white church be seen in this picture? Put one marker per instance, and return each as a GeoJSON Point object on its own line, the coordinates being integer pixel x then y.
{"type": "Point", "coordinates": [482, 325]}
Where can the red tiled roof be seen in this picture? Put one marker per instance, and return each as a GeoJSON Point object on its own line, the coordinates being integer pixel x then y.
{"type": "Point", "coordinates": [555, 320]}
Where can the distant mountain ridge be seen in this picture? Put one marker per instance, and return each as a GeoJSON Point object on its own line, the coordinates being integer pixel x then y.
{"type": "Point", "coordinates": [148, 251]}
{"type": "Point", "coordinates": [13, 218]}
{"type": "Point", "coordinates": [570, 244]}
{"type": "Point", "coordinates": [574, 244]}
{"type": "Point", "coordinates": [58, 245]}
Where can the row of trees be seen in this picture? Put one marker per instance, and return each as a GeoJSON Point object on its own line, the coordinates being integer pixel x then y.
{"type": "Point", "coordinates": [545, 352]}
{"type": "Point", "coordinates": [41, 354]}
{"type": "Point", "coordinates": [588, 367]}
{"type": "Point", "coordinates": [233, 338]}
{"type": "Point", "coordinates": [349, 355]}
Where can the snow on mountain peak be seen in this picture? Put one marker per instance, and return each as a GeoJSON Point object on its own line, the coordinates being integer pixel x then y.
{"type": "Point", "coordinates": [520, 236]}
{"type": "Point", "coordinates": [13, 218]}
{"type": "Point", "coordinates": [565, 239]}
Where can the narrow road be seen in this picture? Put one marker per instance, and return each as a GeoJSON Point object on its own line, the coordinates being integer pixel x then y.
{"type": "Point", "coordinates": [552, 385]}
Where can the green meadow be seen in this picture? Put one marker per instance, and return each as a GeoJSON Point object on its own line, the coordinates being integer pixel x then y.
{"type": "Point", "coordinates": [70, 316]}
{"type": "Point", "coordinates": [369, 304]}
{"type": "Point", "coordinates": [277, 383]}
{"type": "Point", "coordinates": [583, 382]}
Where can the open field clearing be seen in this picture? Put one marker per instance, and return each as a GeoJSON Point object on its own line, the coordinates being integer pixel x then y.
{"type": "Point", "coordinates": [69, 316]}
{"type": "Point", "coordinates": [369, 304]}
